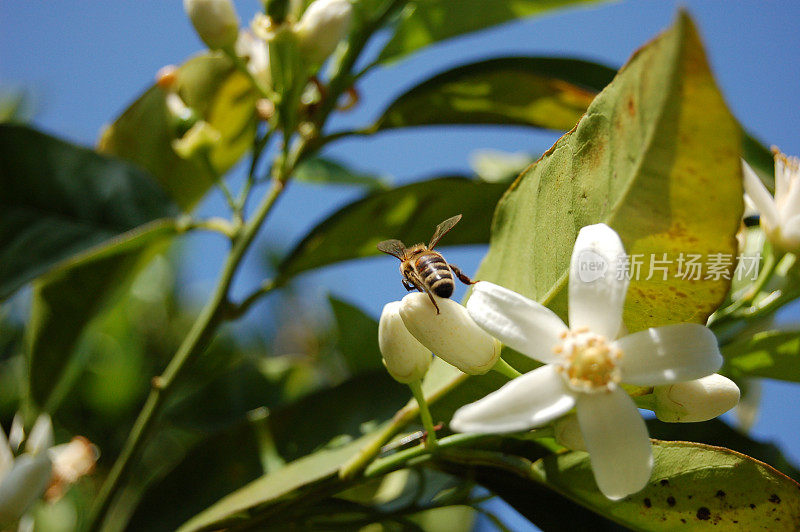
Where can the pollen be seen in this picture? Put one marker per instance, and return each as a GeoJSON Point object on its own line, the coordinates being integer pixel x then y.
{"type": "Point", "coordinates": [590, 362]}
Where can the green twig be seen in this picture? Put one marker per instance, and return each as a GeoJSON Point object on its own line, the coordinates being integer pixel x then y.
{"type": "Point", "coordinates": [424, 413]}
{"type": "Point", "coordinates": [771, 261]}
{"type": "Point", "coordinates": [195, 342]}
{"type": "Point", "coordinates": [504, 368]}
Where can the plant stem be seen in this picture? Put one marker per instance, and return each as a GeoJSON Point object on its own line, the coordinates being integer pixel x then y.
{"type": "Point", "coordinates": [770, 263]}
{"type": "Point", "coordinates": [401, 418]}
{"type": "Point", "coordinates": [504, 368]}
{"type": "Point", "coordinates": [195, 342]}
{"type": "Point", "coordinates": [424, 413]}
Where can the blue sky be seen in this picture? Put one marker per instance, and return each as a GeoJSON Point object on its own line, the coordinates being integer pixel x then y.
{"type": "Point", "coordinates": [85, 61]}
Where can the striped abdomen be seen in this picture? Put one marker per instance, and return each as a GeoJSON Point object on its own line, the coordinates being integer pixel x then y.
{"type": "Point", "coordinates": [435, 274]}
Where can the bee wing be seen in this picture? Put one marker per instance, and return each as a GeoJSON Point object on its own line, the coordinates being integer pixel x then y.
{"type": "Point", "coordinates": [393, 247]}
{"type": "Point", "coordinates": [442, 230]}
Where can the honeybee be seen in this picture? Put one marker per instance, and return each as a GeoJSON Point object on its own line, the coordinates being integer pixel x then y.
{"type": "Point", "coordinates": [425, 269]}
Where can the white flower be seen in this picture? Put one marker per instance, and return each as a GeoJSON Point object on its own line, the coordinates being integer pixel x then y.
{"type": "Point", "coordinates": [23, 479]}
{"type": "Point", "coordinates": [256, 53]}
{"type": "Point", "coordinates": [451, 334]}
{"type": "Point", "coordinates": [585, 363]}
{"type": "Point", "coordinates": [780, 216]}
{"type": "Point", "coordinates": [696, 400]}
{"type": "Point", "coordinates": [215, 21]}
{"type": "Point", "coordinates": [322, 26]}
{"type": "Point", "coordinates": [405, 358]}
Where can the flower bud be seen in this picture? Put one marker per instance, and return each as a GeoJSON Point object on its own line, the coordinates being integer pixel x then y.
{"type": "Point", "coordinates": [567, 432]}
{"type": "Point", "coordinates": [697, 400]}
{"type": "Point", "coordinates": [215, 21]}
{"type": "Point", "coordinates": [322, 26]}
{"type": "Point", "coordinates": [71, 461]}
{"type": "Point", "coordinates": [167, 77]}
{"type": "Point", "coordinates": [452, 335]}
{"type": "Point", "coordinates": [405, 358]}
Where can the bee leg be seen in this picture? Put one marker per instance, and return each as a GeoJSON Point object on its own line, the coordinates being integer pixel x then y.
{"type": "Point", "coordinates": [430, 295]}
{"type": "Point", "coordinates": [461, 275]}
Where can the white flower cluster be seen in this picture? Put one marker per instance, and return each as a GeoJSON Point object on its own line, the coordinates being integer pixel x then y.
{"type": "Point", "coordinates": [320, 29]}
{"type": "Point", "coordinates": [584, 364]}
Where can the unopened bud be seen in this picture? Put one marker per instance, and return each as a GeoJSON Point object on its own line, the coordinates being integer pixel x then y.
{"type": "Point", "coordinates": [215, 21]}
{"type": "Point", "coordinates": [201, 137]}
{"type": "Point", "coordinates": [567, 432]}
{"type": "Point", "coordinates": [697, 400]}
{"type": "Point", "coordinates": [322, 26]}
{"type": "Point", "coordinates": [452, 335]}
{"type": "Point", "coordinates": [166, 77]}
{"type": "Point", "coordinates": [405, 358]}
{"type": "Point", "coordinates": [71, 461]}
{"type": "Point", "coordinates": [265, 109]}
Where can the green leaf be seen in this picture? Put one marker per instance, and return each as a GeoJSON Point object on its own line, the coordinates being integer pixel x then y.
{"type": "Point", "coordinates": [67, 299]}
{"type": "Point", "coordinates": [544, 92]}
{"type": "Point", "coordinates": [60, 200]}
{"type": "Point", "coordinates": [328, 416]}
{"type": "Point", "coordinates": [771, 354]}
{"type": "Point", "coordinates": [423, 22]}
{"type": "Point", "coordinates": [673, 146]}
{"type": "Point", "coordinates": [692, 484]}
{"type": "Point", "coordinates": [657, 147]}
{"type": "Point", "coordinates": [718, 433]}
{"type": "Point", "coordinates": [330, 172]}
{"type": "Point", "coordinates": [221, 95]}
{"type": "Point", "coordinates": [282, 485]}
{"type": "Point", "coordinates": [357, 337]}
{"type": "Point", "coordinates": [208, 472]}
{"type": "Point", "coordinates": [410, 213]}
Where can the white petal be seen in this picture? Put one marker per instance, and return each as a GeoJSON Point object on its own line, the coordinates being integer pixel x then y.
{"type": "Point", "coordinates": [597, 281]}
{"type": "Point", "coordinates": [528, 401]}
{"type": "Point", "coordinates": [782, 178]}
{"type": "Point", "coordinates": [6, 456]}
{"type": "Point", "coordinates": [405, 358]}
{"type": "Point", "coordinates": [452, 335]}
{"type": "Point", "coordinates": [790, 234]}
{"type": "Point", "coordinates": [16, 435]}
{"type": "Point", "coordinates": [41, 437]}
{"type": "Point", "coordinates": [519, 322]}
{"type": "Point", "coordinates": [617, 440]}
{"type": "Point", "coordinates": [760, 196]}
{"type": "Point", "coordinates": [672, 353]}
{"type": "Point", "coordinates": [22, 485]}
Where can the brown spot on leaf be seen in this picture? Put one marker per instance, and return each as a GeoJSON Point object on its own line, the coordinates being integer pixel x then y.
{"type": "Point", "coordinates": [631, 106]}
{"type": "Point", "coordinates": [671, 500]}
{"type": "Point", "coordinates": [647, 503]}
{"type": "Point", "coordinates": [683, 521]}
{"type": "Point", "coordinates": [774, 498]}
{"type": "Point", "coordinates": [752, 506]}
{"type": "Point", "coordinates": [720, 494]}
{"type": "Point", "coordinates": [703, 513]}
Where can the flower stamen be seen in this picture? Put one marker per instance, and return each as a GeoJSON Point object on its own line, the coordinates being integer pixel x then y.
{"type": "Point", "coordinates": [591, 362]}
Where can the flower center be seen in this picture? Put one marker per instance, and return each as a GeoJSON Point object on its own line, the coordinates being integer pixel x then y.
{"type": "Point", "coordinates": [590, 361]}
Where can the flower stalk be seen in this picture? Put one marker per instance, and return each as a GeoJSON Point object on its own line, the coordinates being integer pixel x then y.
{"type": "Point", "coordinates": [424, 414]}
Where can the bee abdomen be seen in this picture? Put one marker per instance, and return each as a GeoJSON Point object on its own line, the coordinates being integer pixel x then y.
{"type": "Point", "coordinates": [436, 274]}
